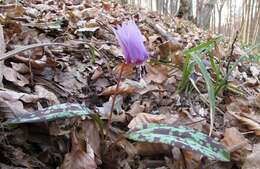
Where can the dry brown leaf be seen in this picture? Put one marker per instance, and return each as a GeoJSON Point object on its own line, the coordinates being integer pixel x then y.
{"type": "Point", "coordinates": [254, 100]}
{"type": "Point", "coordinates": [118, 114]}
{"type": "Point", "coordinates": [20, 67]}
{"type": "Point", "coordinates": [233, 138]}
{"type": "Point", "coordinates": [149, 149]}
{"type": "Point", "coordinates": [91, 135]}
{"type": "Point", "coordinates": [252, 161]}
{"type": "Point", "coordinates": [106, 5]}
{"type": "Point", "coordinates": [155, 74]}
{"type": "Point", "coordinates": [168, 48]}
{"type": "Point", "coordinates": [136, 108]}
{"type": "Point", "coordinates": [97, 73]}
{"type": "Point", "coordinates": [128, 69]}
{"type": "Point", "coordinates": [11, 100]}
{"type": "Point", "coordinates": [78, 158]}
{"type": "Point", "coordinates": [219, 52]}
{"type": "Point", "coordinates": [144, 118]}
{"type": "Point", "coordinates": [123, 88]}
{"type": "Point", "coordinates": [245, 115]}
{"type": "Point", "coordinates": [46, 94]}
{"type": "Point", "coordinates": [14, 77]}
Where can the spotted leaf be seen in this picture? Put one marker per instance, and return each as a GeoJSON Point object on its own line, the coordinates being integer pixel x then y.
{"type": "Point", "coordinates": [181, 137]}
{"type": "Point", "coordinates": [59, 111]}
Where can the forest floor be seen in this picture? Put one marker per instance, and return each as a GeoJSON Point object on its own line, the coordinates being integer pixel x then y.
{"type": "Point", "coordinates": [64, 53]}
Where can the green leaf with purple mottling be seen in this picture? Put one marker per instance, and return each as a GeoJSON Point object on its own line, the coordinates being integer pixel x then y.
{"type": "Point", "coordinates": [59, 111]}
{"type": "Point", "coordinates": [182, 137]}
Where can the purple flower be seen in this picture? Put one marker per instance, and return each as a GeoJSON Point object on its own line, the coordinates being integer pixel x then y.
{"type": "Point", "coordinates": [131, 41]}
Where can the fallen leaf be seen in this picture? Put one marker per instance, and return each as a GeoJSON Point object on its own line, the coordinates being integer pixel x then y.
{"type": "Point", "coordinates": [252, 160]}
{"type": "Point", "coordinates": [154, 74]}
{"type": "Point", "coordinates": [124, 88]}
{"type": "Point", "coordinates": [136, 108]}
{"type": "Point", "coordinates": [46, 94]}
{"type": "Point", "coordinates": [78, 158]}
{"type": "Point", "coordinates": [144, 118]}
{"type": "Point", "coordinates": [118, 115]}
{"type": "Point", "coordinates": [128, 69]}
{"type": "Point", "coordinates": [92, 137]}
{"type": "Point", "coordinates": [168, 48]}
{"type": "Point", "coordinates": [233, 138]}
{"type": "Point", "coordinates": [14, 77]}
{"type": "Point", "coordinates": [245, 115]}
{"type": "Point", "coordinates": [150, 149]}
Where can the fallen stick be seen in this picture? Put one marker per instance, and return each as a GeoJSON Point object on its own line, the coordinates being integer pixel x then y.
{"type": "Point", "coordinates": [158, 28]}
{"type": "Point", "coordinates": [28, 47]}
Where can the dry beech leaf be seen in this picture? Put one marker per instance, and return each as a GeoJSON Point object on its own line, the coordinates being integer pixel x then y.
{"type": "Point", "coordinates": [155, 74]}
{"type": "Point", "coordinates": [252, 161]}
{"type": "Point", "coordinates": [149, 149]}
{"type": "Point", "coordinates": [20, 67]}
{"type": "Point", "coordinates": [106, 5]}
{"type": "Point", "coordinates": [168, 48]}
{"type": "Point", "coordinates": [123, 88]}
{"type": "Point", "coordinates": [97, 73]}
{"type": "Point", "coordinates": [128, 69]}
{"type": "Point", "coordinates": [118, 114]}
{"type": "Point", "coordinates": [91, 133]}
{"type": "Point", "coordinates": [233, 138]}
{"type": "Point", "coordinates": [144, 118]}
{"type": "Point", "coordinates": [254, 100]}
{"type": "Point", "coordinates": [12, 76]}
{"type": "Point", "coordinates": [244, 114]}
{"type": "Point", "coordinates": [78, 158]}
{"type": "Point", "coordinates": [218, 51]}
{"type": "Point", "coordinates": [46, 94]}
{"type": "Point", "coordinates": [136, 108]}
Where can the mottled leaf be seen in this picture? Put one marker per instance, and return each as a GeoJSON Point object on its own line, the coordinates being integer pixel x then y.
{"type": "Point", "coordinates": [181, 137]}
{"type": "Point", "coordinates": [59, 111]}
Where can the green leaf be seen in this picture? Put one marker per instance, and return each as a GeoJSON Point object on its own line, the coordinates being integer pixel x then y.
{"type": "Point", "coordinates": [203, 46]}
{"type": "Point", "coordinates": [59, 111]}
{"type": "Point", "coordinates": [210, 88]}
{"type": "Point", "coordinates": [181, 137]}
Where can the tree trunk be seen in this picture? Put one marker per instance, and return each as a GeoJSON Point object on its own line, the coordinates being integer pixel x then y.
{"type": "Point", "coordinates": [256, 29]}
{"type": "Point", "coordinates": [247, 20]}
{"type": "Point", "coordinates": [185, 9]}
{"type": "Point", "coordinates": [205, 14]}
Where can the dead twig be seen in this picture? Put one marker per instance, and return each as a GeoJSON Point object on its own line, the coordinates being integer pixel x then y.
{"type": "Point", "coordinates": [32, 46]}
{"type": "Point", "coordinates": [230, 57]}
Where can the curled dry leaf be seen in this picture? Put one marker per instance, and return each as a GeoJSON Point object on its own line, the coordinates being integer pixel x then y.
{"type": "Point", "coordinates": [20, 67]}
{"type": "Point", "coordinates": [128, 69]}
{"type": "Point", "coordinates": [154, 74]}
{"type": "Point", "coordinates": [46, 94]}
{"type": "Point", "coordinates": [235, 142]}
{"type": "Point", "coordinates": [124, 88]}
{"type": "Point", "coordinates": [245, 115]}
{"type": "Point", "coordinates": [78, 158]}
{"type": "Point", "coordinates": [254, 101]}
{"type": "Point", "coordinates": [97, 73]}
{"type": "Point", "coordinates": [136, 108]}
{"type": "Point", "coordinates": [11, 100]}
{"type": "Point", "coordinates": [118, 114]}
{"type": "Point", "coordinates": [144, 118]}
{"type": "Point", "coordinates": [252, 161]}
{"type": "Point", "coordinates": [91, 135]}
{"type": "Point", "coordinates": [14, 77]}
{"type": "Point", "coordinates": [168, 48]}
{"type": "Point", "coordinates": [149, 149]}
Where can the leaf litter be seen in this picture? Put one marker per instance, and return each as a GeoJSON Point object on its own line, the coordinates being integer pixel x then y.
{"type": "Point", "coordinates": [59, 73]}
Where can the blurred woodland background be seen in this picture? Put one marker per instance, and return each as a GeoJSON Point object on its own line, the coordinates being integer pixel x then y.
{"type": "Point", "coordinates": [219, 16]}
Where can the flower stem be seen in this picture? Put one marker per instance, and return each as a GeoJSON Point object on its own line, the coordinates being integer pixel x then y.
{"type": "Point", "coordinates": [114, 96]}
